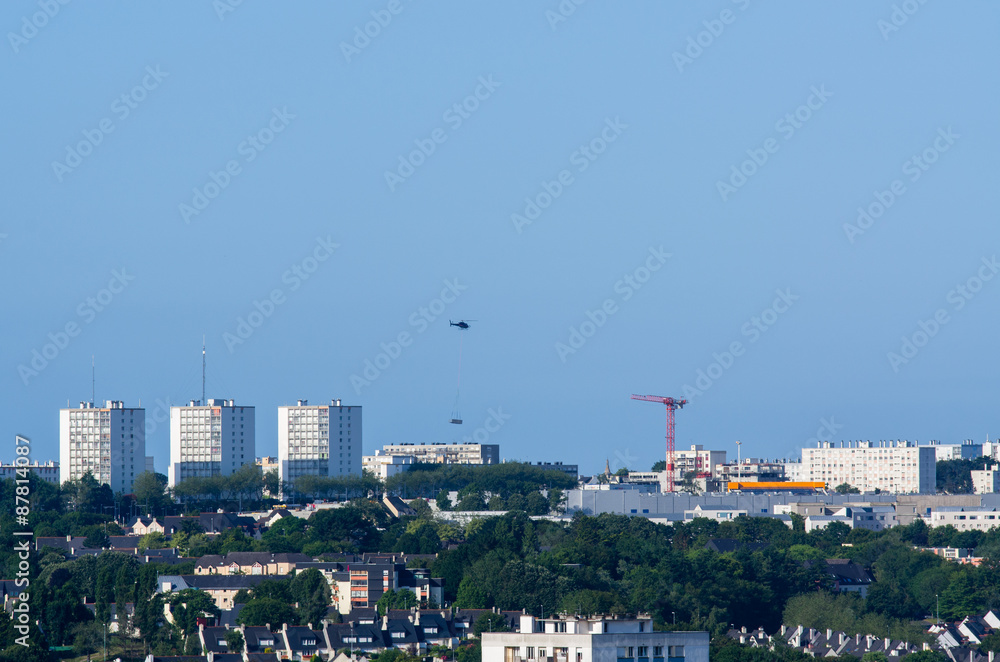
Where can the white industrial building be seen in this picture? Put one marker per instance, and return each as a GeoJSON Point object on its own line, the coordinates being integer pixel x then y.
{"type": "Point", "coordinates": [319, 440]}
{"type": "Point", "coordinates": [211, 439]}
{"type": "Point", "coordinates": [899, 467]}
{"type": "Point", "coordinates": [593, 639]}
{"type": "Point", "coordinates": [386, 466]}
{"type": "Point", "coordinates": [441, 453]}
{"type": "Point", "coordinates": [109, 442]}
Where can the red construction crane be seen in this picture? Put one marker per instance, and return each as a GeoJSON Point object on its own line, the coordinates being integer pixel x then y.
{"type": "Point", "coordinates": [671, 404]}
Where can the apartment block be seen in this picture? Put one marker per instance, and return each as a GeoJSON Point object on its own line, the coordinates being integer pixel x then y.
{"type": "Point", "coordinates": [967, 450]}
{"type": "Point", "coordinates": [752, 469]}
{"type": "Point", "coordinates": [698, 460]}
{"type": "Point", "coordinates": [319, 440]}
{"type": "Point", "coordinates": [211, 439]}
{"type": "Point", "coordinates": [888, 466]}
{"type": "Point", "coordinates": [965, 519]}
{"type": "Point", "coordinates": [109, 442]}
{"type": "Point", "coordinates": [441, 453]}
{"type": "Point", "coordinates": [49, 471]}
{"type": "Point", "coordinates": [385, 466]}
{"type": "Point", "coordinates": [593, 639]}
{"type": "Point", "coordinates": [985, 481]}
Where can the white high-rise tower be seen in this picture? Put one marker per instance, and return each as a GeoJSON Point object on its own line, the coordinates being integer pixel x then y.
{"type": "Point", "coordinates": [211, 439]}
{"type": "Point", "coordinates": [109, 442]}
{"type": "Point", "coordinates": [320, 440]}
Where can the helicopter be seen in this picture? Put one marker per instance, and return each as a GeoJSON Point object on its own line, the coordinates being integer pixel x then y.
{"type": "Point", "coordinates": [462, 324]}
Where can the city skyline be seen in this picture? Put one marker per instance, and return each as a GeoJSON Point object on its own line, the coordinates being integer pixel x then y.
{"type": "Point", "coordinates": [783, 225]}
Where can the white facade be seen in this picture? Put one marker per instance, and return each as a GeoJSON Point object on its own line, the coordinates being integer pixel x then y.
{"type": "Point", "coordinates": [49, 471]}
{"type": "Point", "coordinates": [699, 460]}
{"type": "Point", "coordinates": [109, 442]}
{"type": "Point", "coordinates": [794, 472]}
{"type": "Point", "coordinates": [967, 450]}
{"type": "Point", "coordinates": [897, 467]}
{"type": "Point", "coordinates": [595, 639]}
{"type": "Point", "coordinates": [985, 481]}
{"type": "Point", "coordinates": [447, 453]}
{"type": "Point", "coordinates": [319, 440]}
{"type": "Point", "coordinates": [965, 519]}
{"type": "Point", "coordinates": [385, 466]}
{"type": "Point", "coordinates": [214, 439]}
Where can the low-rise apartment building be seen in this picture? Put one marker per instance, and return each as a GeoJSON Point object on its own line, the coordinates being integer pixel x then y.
{"type": "Point", "coordinates": [441, 453]}
{"type": "Point", "coordinates": [48, 471]}
{"type": "Point", "coordinates": [593, 639]}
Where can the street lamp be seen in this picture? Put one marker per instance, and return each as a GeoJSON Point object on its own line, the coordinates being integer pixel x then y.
{"type": "Point", "coordinates": [739, 460]}
{"type": "Point", "coordinates": [675, 617]}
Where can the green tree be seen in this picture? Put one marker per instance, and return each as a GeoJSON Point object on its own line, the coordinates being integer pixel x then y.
{"type": "Point", "coordinates": [490, 622]}
{"type": "Point", "coordinates": [234, 641]}
{"type": "Point", "coordinates": [391, 599]}
{"type": "Point", "coordinates": [659, 465]}
{"type": "Point", "coordinates": [312, 593]}
{"type": "Point", "coordinates": [846, 488]}
{"type": "Point", "coordinates": [443, 502]}
{"type": "Point", "coordinates": [150, 490]}
{"type": "Point", "coordinates": [471, 502]}
{"type": "Point", "coordinates": [152, 540]}
{"type": "Point", "coordinates": [188, 605]}
{"type": "Point", "coordinates": [261, 611]}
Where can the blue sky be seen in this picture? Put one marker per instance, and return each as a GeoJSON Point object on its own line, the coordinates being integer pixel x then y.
{"type": "Point", "coordinates": [663, 179]}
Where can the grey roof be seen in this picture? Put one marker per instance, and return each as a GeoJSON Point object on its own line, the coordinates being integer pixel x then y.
{"type": "Point", "coordinates": [217, 582]}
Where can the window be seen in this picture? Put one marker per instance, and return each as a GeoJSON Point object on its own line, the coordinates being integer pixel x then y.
{"type": "Point", "coordinates": [675, 651]}
{"type": "Point", "coordinates": [529, 652]}
{"type": "Point", "coordinates": [657, 651]}
{"type": "Point", "coordinates": [643, 650]}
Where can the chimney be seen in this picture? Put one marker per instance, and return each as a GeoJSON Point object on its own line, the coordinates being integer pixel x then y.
{"type": "Point", "coordinates": [385, 621]}
{"type": "Point", "coordinates": [784, 628]}
{"type": "Point", "coordinates": [829, 634]}
{"type": "Point", "coordinates": [416, 620]}
{"type": "Point", "coordinates": [268, 626]}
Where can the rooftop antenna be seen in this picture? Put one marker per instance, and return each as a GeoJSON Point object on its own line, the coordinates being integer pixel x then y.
{"type": "Point", "coordinates": [93, 380]}
{"type": "Point", "coordinates": [203, 370]}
